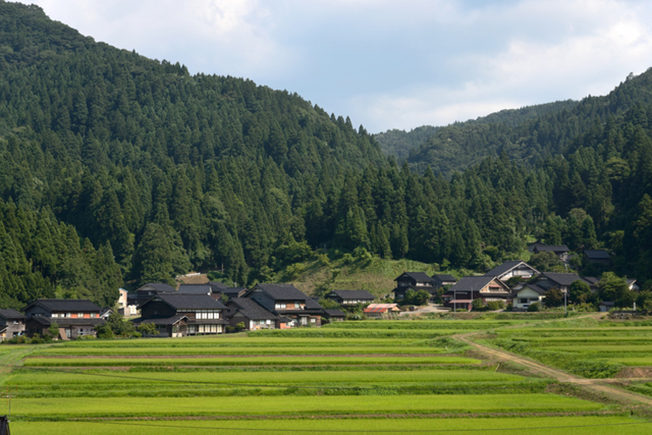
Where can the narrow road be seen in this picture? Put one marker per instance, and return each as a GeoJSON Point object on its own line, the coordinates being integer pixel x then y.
{"type": "Point", "coordinates": [595, 386]}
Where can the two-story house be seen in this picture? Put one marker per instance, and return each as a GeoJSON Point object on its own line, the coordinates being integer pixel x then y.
{"type": "Point", "coordinates": [513, 269]}
{"type": "Point", "coordinates": [487, 288]}
{"type": "Point", "coordinates": [12, 324]}
{"type": "Point", "coordinates": [561, 251]}
{"type": "Point", "coordinates": [73, 317]}
{"type": "Point", "coordinates": [415, 281]}
{"type": "Point", "coordinates": [178, 315]}
{"type": "Point", "coordinates": [251, 314]}
{"type": "Point", "coordinates": [146, 291]}
{"type": "Point", "coordinates": [285, 300]}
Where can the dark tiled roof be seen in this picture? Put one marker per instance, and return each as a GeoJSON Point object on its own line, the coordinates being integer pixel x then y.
{"type": "Point", "coordinates": [506, 267]}
{"type": "Point", "coordinates": [334, 312]}
{"type": "Point", "coordinates": [69, 305]}
{"type": "Point", "coordinates": [284, 292]}
{"type": "Point", "coordinates": [534, 287]}
{"type": "Point", "coordinates": [191, 302]}
{"type": "Point", "coordinates": [474, 283]}
{"type": "Point", "coordinates": [161, 321]}
{"type": "Point", "coordinates": [11, 314]}
{"type": "Point", "coordinates": [554, 248]}
{"type": "Point", "coordinates": [354, 294]}
{"type": "Point", "coordinates": [195, 289]}
{"type": "Point", "coordinates": [417, 276]}
{"type": "Point", "coordinates": [591, 280]}
{"type": "Point", "coordinates": [444, 278]}
{"type": "Point", "coordinates": [251, 309]}
{"type": "Point", "coordinates": [156, 286]}
{"type": "Point", "coordinates": [597, 254]}
{"type": "Point", "coordinates": [217, 286]}
{"type": "Point", "coordinates": [63, 322]}
{"type": "Point", "coordinates": [564, 279]}
{"type": "Point", "coordinates": [233, 292]}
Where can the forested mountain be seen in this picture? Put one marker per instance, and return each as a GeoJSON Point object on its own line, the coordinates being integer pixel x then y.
{"type": "Point", "coordinates": [115, 168]}
{"type": "Point", "coordinates": [401, 144]}
{"type": "Point", "coordinates": [460, 146]}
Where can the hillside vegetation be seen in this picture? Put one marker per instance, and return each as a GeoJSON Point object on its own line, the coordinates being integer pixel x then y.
{"type": "Point", "coordinates": [117, 169]}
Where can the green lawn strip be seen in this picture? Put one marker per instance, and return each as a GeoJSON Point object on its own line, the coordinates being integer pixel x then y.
{"type": "Point", "coordinates": [421, 324]}
{"type": "Point", "coordinates": [107, 377]}
{"type": "Point", "coordinates": [580, 425]}
{"type": "Point", "coordinates": [297, 405]}
{"type": "Point", "coordinates": [629, 340]}
{"type": "Point", "coordinates": [312, 350]}
{"type": "Point", "coordinates": [633, 361]}
{"type": "Point", "coordinates": [355, 333]}
{"type": "Point", "coordinates": [598, 348]}
{"type": "Point", "coordinates": [239, 361]}
{"type": "Point", "coordinates": [231, 340]}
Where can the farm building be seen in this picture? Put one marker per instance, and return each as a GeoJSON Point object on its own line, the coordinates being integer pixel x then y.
{"type": "Point", "coordinates": [381, 311]}
{"type": "Point", "coordinates": [351, 297]}
{"type": "Point", "coordinates": [287, 301]}
{"type": "Point", "coordinates": [413, 281]}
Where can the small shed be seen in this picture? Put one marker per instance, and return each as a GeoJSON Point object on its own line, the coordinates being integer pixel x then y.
{"type": "Point", "coordinates": [381, 311]}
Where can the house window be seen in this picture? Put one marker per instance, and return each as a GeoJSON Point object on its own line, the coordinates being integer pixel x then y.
{"type": "Point", "coordinates": [80, 314]}
{"type": "Point", "coordinates": [523, 300]}
{"type": "Point", "coordinates": [280, 306]}
{"type": "Point", "coordinates": [68, 314]}
{"type": "Point", "coordinates": [92, 315]}
{"type": "Point", "coordinates": [313, 320]}
{"type": "Point", "coordinates": [192, 329]}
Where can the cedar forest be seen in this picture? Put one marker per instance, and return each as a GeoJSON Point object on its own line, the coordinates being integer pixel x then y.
{"type": "Point", "coordinates": [119, 170]}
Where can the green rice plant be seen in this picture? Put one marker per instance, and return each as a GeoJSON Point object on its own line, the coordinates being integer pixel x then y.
{"type": "Point", "coordinates": [577, 425]}
{"type": "Point", "coordinates": [297, 406]}
{"type": "Point", "coordinates": [238, 361]}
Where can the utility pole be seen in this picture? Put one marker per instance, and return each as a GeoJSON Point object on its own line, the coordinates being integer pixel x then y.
{"type": "Point", "coordinates": [565, 303]}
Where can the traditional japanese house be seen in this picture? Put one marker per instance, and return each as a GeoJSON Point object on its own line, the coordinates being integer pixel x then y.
{"type": "Point", "coordinates": [73, 317]}
{"type": "Point", "coordinates": [351, 297]}
{"type": "Point", "coordinates": [12, 324]}
{"type": "Point", "coordinates": [285, 300]}
{"type": "Point", "coordinates": [250, 313]}
{"type": "Point", "coordinates": [413, 281]}
{"type": "Point", "coordinates": [511, 269]}
{"type": "Point", "coordinates": [487, 288]}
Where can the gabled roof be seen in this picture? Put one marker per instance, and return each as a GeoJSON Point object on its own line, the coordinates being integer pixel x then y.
{"type": "Point", "coordinates": [472, 283]}
{"type": "Point", "coordinates": [507, 266]}
{"type": "Point", "coordinates": [217, 286]}
{"type": "Point", "coordinates": [161, 321]}
{"type": "Point", "coordinates": [284, 292]}
{"type": "Point", "coordinates": [354, 294]}
{"type": "Point", "coordinates": [534, 287]}
{"type": "Point", "coordinates": [65, 305]}
{"type": "Point", "coordinates": [543, 247]}
{"type": "Point", "coordinates": [233, 292]}
{"type": "Point", "coordinates": [251, 309]}
{"type": "Point", "coordinates": [597, 254]}
{"type": "Point", "coordinates": [334, 312]}
{"type": "Point", "coordinates": [63, 322]}
{"type": "Point", "coordinates": [591, 280]}
{"type": "Point", "coordinates": [156, 286]}
{"type": "Point", "coordinates": [11, 314]}
{"type": "Point", "coordinates": [417, 276]}
{"type": "Point", "coordinates": [189, 301]}
{"type": "Point", "coordinates": [196, 289]}
{"type": "Point", "coordinates": [564, 279]}
{"type": "Point", "coordinates": [445, 278]}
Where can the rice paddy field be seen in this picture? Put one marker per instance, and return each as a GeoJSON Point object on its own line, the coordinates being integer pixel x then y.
{"type": "Point", "coordinates": [405, 376]}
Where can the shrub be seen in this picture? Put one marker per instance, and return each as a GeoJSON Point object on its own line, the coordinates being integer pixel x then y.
{"type": "Point", "coordinates": [534, 307]}
{"type": "Point", "coordinates": [477, 304]}
{"type": "Point", "coordinates": [495, 305]}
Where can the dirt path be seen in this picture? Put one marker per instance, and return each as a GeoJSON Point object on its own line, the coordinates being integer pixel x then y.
{"type": "Point", "coordinates": [601, 387]}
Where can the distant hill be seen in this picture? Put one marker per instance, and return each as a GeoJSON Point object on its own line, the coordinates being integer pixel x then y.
{"type": "Point", "coordinates": [399, 143]}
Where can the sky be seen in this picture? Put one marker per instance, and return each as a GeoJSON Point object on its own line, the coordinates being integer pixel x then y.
{"type": "Point", "coordinates": [388, 64]}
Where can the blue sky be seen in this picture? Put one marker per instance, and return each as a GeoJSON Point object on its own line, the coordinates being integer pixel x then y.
{"type": "Point", "coordinates": [388, 64]}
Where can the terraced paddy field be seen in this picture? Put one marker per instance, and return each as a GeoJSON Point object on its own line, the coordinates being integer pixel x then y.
{"type": "Point", "coordinates": [359, 377]}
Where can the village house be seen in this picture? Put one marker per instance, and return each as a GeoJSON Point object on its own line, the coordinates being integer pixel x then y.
{"type": "Point", "coordinates": [413, 281]}
{"type": "Point", "coordinates": [73, 317]}
{"type": "Point", "coordinates": [12, 324]}
{"type": "Point", "coordinates": [285, 300]}
{"type": "Point", "coordinates": [561, 251]}
{"type": "Point", "coordinates": [562, 281]}
{"type": "Point", "coordinates": [351, 297]}
{"type": "Point", "coordinates": [487, 288]}
{"type": "Point", "coordinates": [146, 291]}
{"type": "Point", "coordinates": [442, 280]}
{"type": "Point", "coordinates": [526, 295]}
{"type": "Point", "coordinates": [598, 256]}
{"type": "Point", "coordinates": [511, 269]}
{"type": "Point", "coordinates": [177, 315]}
{"type": "Point", "coordinates": [334, 315]}
{"type": "Point", "coordinates": [252, 315]}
